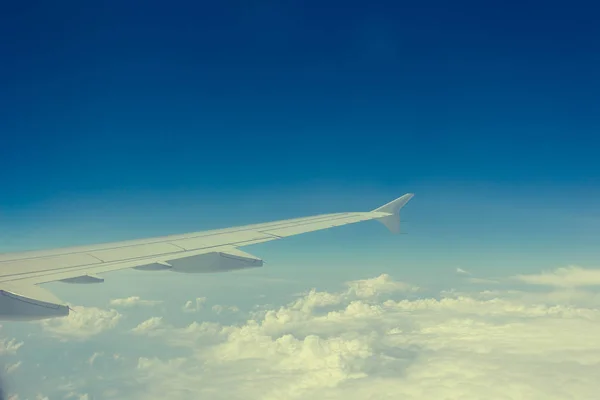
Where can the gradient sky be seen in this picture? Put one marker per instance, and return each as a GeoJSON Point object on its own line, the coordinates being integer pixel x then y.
{"type": "Point", "coordinates": [122, 120]}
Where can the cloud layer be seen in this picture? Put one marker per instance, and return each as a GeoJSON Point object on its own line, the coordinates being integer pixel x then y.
{"type": "Point", "coordinates": [355, 344]}
{"type": "Point", "coordinates": [376, 338]}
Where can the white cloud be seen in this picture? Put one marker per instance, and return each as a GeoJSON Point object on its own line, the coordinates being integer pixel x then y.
{"type": "Point", "coordinates": [473, 279]}
{"type": "Point", "coordinates": [12, 367]}
{"type": "Point", "coordinates": [356, 344]}
{"type": "Point", "coordinates": [375, 338]}
{"type": "Point", "coordinates": [82, 323]}
{"type": "Point", "coordinates": [483, 281]}
{"type": "Point", "coordinates": [154, 363]}
{"type": "Point", "coordinates": [77, 396]}
{"type": "Point", "coordinates": [9, 346]}
{"type": "Point", "coordinates": [383, 284]}
{"type": "Point", "coordinates": [570, 277]}
{"type": "Point", "coordinates": [359, 289]}
{"type": "Point", "coordinates": [148, 326]}
{"type": "Point", "coordinates": [194, 306]}
{"type": "Point", "coordinates": [219, 309]}
{"type": "Point", "coordinates": [133, 301]}
{"type": "Point", "coordinates": [94, 357]}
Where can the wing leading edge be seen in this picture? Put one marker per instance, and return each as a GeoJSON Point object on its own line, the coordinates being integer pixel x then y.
{"type": "Point", "coordinates": [197, 252]}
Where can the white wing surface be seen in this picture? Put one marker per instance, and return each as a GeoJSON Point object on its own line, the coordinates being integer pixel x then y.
{"type": "Point", "coordinates": [199, 252]}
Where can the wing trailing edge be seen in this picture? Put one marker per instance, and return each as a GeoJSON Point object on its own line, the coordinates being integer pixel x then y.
{"type": "Point", "coordinates": [29, 302]}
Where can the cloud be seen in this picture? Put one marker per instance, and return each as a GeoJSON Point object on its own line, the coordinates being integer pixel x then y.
{"type": "Point", "coordinates": [359, 289]}
{"type": "Point", "coordinates": [94, 357]}
{"type": "Point", "coordinates": [478, 281]}
{"type": "Point", "coordinates": [82, 323]}
{"type": "Point", "coordinates": [77, 396]}
{"type": "Point", "coordinates": [133, 301]}
{"type": "Point", "coordinates": [376, 338]}
{"type": "Point", "coordinates": [570, 277]}
{"type": "Point", "coordinates": [194, 306]}
{"type": "Point", "coordinates": [383, 284]}
{"type": "Point", "coordinates": [359, 343]}
{"type": "Point", "coordinates": [219, 309]}
{"type": "Point", "coordinates": [148, 326]}
{"type": "Point", "coordinates": [9, 346]}
{"type": "Point", "coordinates": [483, 281]}
{"type": "Point", "coordinates": [12, 367]}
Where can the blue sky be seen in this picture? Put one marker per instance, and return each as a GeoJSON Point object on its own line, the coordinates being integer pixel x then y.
{"type": "Point", "coordinates": [121, 121]}
{"type": "Point", "coordinates": [124, 119]}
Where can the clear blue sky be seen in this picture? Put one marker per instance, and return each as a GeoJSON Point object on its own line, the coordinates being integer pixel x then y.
{"type": "Point", "coordinates": [124, 119]}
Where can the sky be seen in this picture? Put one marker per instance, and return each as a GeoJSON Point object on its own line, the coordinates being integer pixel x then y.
{"type": "Point", "coordinates": [123, 120]}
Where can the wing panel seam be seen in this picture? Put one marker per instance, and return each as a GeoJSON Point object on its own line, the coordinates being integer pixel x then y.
{"type": "Point", "coordinates": [205, 234]}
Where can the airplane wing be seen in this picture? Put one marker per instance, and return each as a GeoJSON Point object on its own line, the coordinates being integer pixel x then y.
{"type": "Point", "coordinates": [21, 297]}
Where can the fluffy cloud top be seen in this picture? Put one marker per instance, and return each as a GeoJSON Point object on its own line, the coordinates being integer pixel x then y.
{"type": "Point", "coordinates": [82, 323]}
{"type": "Point", "coordinates": [194, 306]}
{"type": "Point", "coordinates": [149, 325]}
{"type": "Point", "coordinates": [383, 284]}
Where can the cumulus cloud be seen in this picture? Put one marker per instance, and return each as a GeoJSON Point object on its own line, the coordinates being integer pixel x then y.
{"type": "Point", "coordinates": [376, 338]}
{"type": "Point", "coordinates": [194, 306]}
{"type": "Point", "coordinates": [82, 323]}
{"type": "Point", "coordinates": [383, 284]}
{"type": "Point", "coordinates": [361, 344]}
{"type": "Point", "coordinates": [359, 289]}
{"type": "Point", "coordinates": [569, 277]}
{"type": "Point", "coordinates": [133, 301]}
{"type": "Point", "coordinates": [148, 326]}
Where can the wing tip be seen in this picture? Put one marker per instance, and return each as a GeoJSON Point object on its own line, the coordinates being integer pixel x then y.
{"type": "Point", "coordinates": [392, 221]}
{"type": "Point", "coordinates": [394, 206]}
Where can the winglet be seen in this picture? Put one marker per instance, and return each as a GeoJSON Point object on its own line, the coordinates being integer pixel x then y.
{"type": "Point", "coordinates": [392, 221]}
